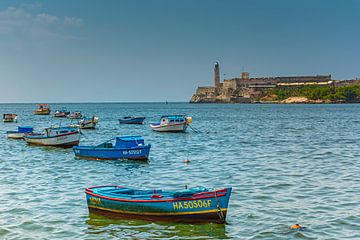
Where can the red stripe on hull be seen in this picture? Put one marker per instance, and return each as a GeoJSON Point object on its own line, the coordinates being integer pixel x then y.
{"type": "Point", "coordinates": [188, 218]}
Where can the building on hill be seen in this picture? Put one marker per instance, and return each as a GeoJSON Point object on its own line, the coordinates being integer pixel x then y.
{"type": "Point", "coordinates": [245, 89]}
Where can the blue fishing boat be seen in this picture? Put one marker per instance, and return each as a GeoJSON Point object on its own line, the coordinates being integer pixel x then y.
{"type": "Point", "coordinates": [127, 147]}
{"type": "Point", "coordinates": [131, 120]}
{"type": "Point", "coordinates": [189, 205]}
{"type": "Point", "coordinates": [20, 133]}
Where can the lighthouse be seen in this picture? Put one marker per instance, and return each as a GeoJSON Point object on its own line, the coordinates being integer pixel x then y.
{"type": "Point", "coordinates": [217, 75]}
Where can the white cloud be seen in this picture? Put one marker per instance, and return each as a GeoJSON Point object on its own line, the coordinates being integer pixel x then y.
{"type": "Point", "coordinates": [46, 18]}
{"type": "Point", "coordinates": [73, 21]}
{"type": "Point", "coordinates": [27, 20]}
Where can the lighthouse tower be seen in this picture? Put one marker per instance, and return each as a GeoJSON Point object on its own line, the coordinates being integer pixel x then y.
{"type": "Point", "coordinates": [217, 75]}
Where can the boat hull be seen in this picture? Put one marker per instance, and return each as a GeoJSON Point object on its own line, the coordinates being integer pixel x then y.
{"type": "Point", "coordinates": [135, 120]}
{"type": "Point", "coordinates": [9, 120]}
{"type": "Point", "coordinates": [60, 115]}
{"type": "Point", "coordinates": [15, 135]}
{"type": "Point", "coordinates": [207, 207]}
{"type": "Point", "coordinates": [87, 125]}
{"type": "Point", "coordinates": [178, 127]}
{"type": "Point", "coordinates": [65, 140]}
{"type": "Point", "coordinates": [136, 153]}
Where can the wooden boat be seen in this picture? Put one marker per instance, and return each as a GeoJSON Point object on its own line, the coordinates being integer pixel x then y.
{"type": "Point", "coordinates": [20, 133]}
{"type": "Point", "coordinates": [128, 147]}
{"type": "Point", "coordinates": [172, 123]}
{"type": "Point", "coordinates": [61, 113]}
{"type": "Point", "coordinates": [10, 117]}
{"type": "Point", "coordinates": [190, 205]}
{"type": "Point", "coordinates": [131, 120]}
{"type": "Point", "coordinates": [55, 136]}
{"type": "Point", "coordinates": [75, 115]}
{"type": "Point", "coordinates": [88, 123]}
{"type": "Point", "coordinates": [43, 109]}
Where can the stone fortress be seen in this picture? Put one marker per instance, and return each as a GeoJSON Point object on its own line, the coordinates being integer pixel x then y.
{"type": "Point", "coordinates": [245, 89]}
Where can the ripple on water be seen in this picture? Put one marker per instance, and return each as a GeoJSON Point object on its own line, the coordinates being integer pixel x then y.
{"type": "Point", "coordinates": [286, 163]}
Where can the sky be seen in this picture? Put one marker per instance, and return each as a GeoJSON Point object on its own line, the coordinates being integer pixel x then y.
{"type": "Point", "coordinates": [161, 50]}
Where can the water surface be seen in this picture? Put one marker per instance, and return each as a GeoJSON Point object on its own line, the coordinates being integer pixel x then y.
{"type": "Point", "coordinates": [287, 164]}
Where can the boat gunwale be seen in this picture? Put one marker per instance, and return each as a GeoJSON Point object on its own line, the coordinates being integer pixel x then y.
{"type": "Point", "coordinates": [219, 193]}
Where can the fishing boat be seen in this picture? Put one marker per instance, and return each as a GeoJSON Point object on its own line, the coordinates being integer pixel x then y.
{"type": "Point", "coordinates": [55, 136]}
{"type": "Point", "coordinates": [75, 115]}
{"type": "Point", "coordinates": [61, 113]}
{"type": "Point", "coordinates": [127, 147]}
{"type": "Point", "coordinates": [88, 123]}
{"type": "Point", "coordinates": [43, 109]}
{"type": "Point", "coordinates": [20, 133]}
{"type": "Point", "coordinates": [10, 117]}
{"type": "Point", "coordinates": [189, 205]}
{"type": "Point", "coordinates": [131, 120]}
{"type": "Point", "coordinates": [172, 123]}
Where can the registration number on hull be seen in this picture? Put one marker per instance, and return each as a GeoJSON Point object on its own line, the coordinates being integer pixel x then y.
{"type": "Point", "coordinates": [192, 204]}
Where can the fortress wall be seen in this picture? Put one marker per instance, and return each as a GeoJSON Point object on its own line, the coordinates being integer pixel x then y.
{"type": "Point", "coordinates": [205, 90]}
{"type": "Point", "coordinates": [231, 83]}
{"type": "Point", "coordinates": [347, 82]}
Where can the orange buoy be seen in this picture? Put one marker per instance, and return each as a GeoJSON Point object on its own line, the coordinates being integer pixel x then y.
{"type": "Point", "coordinates": [296, 226]}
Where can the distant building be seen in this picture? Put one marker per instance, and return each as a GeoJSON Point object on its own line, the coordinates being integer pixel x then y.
{"type": "Point", "coordinates": [246, 89]}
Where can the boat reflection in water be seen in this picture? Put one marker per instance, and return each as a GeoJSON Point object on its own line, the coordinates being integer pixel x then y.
{"type": "Point", "coordinates": [142, 229]}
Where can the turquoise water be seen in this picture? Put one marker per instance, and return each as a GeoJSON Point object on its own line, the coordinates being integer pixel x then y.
{"type": "Point", "coordinates": [287, 164]}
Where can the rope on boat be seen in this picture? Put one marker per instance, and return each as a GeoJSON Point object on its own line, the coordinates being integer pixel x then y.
{"type": "Point", "coordinates": [219, 212]}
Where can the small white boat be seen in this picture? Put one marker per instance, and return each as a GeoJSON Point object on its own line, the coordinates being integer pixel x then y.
{"type": "Point", "coordinates": [55, 136]}
{"type": "Point", "coordinates": [88, 123]}
{"type": "Point", "coordinates": [20, 133]}
{"type": "Point", "coordinates": [172, 123]}
{"type": "Point", "coordinates": [75, 115]}
{"type": "Point", "coordinates": [61, 113]}
{"type": "Point", "coordinates": [10, 117]}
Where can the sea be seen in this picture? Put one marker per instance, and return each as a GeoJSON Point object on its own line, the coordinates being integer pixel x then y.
{"type": "Point", "coordinates": [287, 164]}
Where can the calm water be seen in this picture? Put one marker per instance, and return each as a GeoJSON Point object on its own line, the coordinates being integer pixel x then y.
{"type": "Point", "coordinates": [286, 163]}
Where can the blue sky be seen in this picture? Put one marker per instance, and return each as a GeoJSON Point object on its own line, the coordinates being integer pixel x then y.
{"type": "Point", "coordinates": [91, 51]}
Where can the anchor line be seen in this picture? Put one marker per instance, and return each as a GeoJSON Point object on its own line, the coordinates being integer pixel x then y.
{"type": "Point", "coordinates": [219, 212]}
{"type": "Point", "coordinates": [194, 129]}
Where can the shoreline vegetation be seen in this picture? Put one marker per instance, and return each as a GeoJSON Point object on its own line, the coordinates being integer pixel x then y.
{"type": "Point", "coordinates": [313, 94]}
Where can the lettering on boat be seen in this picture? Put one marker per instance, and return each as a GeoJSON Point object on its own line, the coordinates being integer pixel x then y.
{"type": "Point", "coordinates": [132, 152]}
{"type": "Point", "coordinates": [192, 204]}
{"type": "Point", "coordinates": [95, 201]}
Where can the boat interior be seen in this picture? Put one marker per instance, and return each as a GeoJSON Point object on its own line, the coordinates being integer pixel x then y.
{"type": "Point", "coordinates": [128, 193]}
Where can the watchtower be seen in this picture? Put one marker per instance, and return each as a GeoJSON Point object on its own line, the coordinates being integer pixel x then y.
{"type": "Point", "coordinates": [217, 75]}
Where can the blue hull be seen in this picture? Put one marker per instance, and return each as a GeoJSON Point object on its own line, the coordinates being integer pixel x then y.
{"type": "Point", "coordinates": [134, 120]}
{"type": "Point", "coordinates": [134, 153]}
{"type": "Point", "coordinates": [208, 206]}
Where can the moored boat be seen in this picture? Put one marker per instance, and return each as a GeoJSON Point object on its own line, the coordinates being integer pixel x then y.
{"type": "Point", "coordinates": [189, 205]}
{"type": "Point", "coordinates": [131, 120]}
{"type": "Point", "coordinates": [127, 147]}
{"type": "Point", "coordinates": [172, 123]}
{"type": "Point", "coordinates": [75, 115]}
{"type": "Point", "coordinates": [20, 133]}
{"type": "Point", "coordinates": [55, 136]}
{"type": "Point", "coordinates": [61, 113]}
{"type": "Point", "coordinates": [88, 123]}
{"type": "Point", "coordinates": [43, 109]}
{"type": "Point", "coordinates": [10, 117]}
